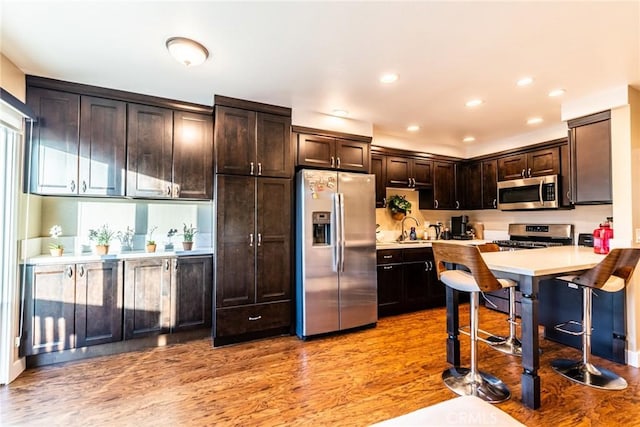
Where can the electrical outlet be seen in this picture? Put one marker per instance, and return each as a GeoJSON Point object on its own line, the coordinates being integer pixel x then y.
{"type": "Point", "coordinates": [637, 235]}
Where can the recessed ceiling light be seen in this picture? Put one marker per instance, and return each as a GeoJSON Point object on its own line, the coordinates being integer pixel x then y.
{"type": "Point", "coordinates": [468, 139]}
{"type": "Point", "coordinates": [187, 51]}
{"type": "Point", "coordinates": [389, 78]}
{"type": "Point", "coordinates": [525, 81]}
{"type": "Point", "coordinates": [474, 102]}
{"type": "Point", "coordinates": [557, 92]}
{"type": "Point", "coordinates": [340, 113]}
{"type": "Point", "coordinates": [413, 128]}
{"type": "Point", "coordinates": [534, 120]}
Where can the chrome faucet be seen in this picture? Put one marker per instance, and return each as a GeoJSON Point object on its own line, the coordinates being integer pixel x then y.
{"type": "Point", "coordinates": [404, 235]}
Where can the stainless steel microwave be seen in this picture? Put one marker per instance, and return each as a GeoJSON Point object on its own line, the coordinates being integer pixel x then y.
{"type": "Point", "coordinates": [539, 192]}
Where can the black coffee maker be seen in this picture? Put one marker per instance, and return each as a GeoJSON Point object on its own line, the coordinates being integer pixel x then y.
{"type": "Point", "coordinates": [459, 227]}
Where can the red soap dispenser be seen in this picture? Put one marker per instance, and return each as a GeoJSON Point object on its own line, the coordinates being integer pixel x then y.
{"type": "Point", "coordinates": [601, 237]}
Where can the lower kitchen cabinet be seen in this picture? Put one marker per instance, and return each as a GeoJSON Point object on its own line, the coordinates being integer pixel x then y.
{"type": "Point", "coordinates": [407, 281]}
{"type": "Point", "coordinates": [74, 305]}
{"type": "Point", "coordinates": [193, 284]}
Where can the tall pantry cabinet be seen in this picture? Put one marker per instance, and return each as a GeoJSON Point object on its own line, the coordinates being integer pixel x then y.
{"type": "Point", "coordinates": [254, 218]}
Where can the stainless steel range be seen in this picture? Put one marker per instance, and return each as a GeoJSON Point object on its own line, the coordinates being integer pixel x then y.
{"type": "Point", "coordinates": [531, 236]}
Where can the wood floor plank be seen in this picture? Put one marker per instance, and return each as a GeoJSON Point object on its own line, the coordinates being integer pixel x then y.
{"type": "Point", "coordinates": [352, 379]}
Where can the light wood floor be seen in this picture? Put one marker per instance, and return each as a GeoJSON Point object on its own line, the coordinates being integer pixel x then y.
{"type": "Point", "coordinates": [352, 379]}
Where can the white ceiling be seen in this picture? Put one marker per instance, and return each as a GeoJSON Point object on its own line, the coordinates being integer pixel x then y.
{"type": "Point", "coordinates": [318, 56]}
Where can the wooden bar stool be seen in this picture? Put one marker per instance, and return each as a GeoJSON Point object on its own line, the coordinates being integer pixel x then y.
{"type": "Point", "coordinates": [510, 344]}
{"type": "Point", "coordinates": [610, 275]}
{"type": "Point", "coordinates": [469, 381]}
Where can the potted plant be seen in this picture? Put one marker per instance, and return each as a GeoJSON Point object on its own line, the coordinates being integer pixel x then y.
{"type": "Point", "coordinates": [399, 206]}
{"type": "Point", "coordinates": [126, 238]}
{"type": "Point", "coordinates": [168, 244]}
{"type": "Point", "coordinates": [102, 238]}
{"type": "Point", "coordinates": [151, 244]}
{"type": "Point", "coordinates": [55, 248]}
{"type": "Point", "coordinates": [187, 236]}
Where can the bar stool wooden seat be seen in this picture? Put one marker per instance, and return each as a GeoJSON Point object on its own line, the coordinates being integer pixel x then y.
{"type": "Point", "coordinates": [610, 275]}
{"type": "Point", "coordinates": [478, 278]}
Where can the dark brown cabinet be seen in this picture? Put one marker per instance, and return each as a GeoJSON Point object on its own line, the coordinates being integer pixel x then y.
{"type": "Point", "coordinates": [71, 306]}
{"type": "Point", "coordinates": [469, 185]}
{"type": "Point", "coordinates": [379, 169]}
{"type": "Point", "coordinates": [407, 172]}
{"type": "Point", "coordinates": [590, 154]}
{"type": "Point", "coordinates": [253, 267]}
{"type": "Point", "coordinates": [444, 186]}
{"type": "Point", "coordinates": [529, 164]}
{"type": "Point", "coordinates": [78, 144]}
{"type": "Point", "coordinates": [489, 184]}
{"type": "Point", "coordinates": [329, 152]}
{"type": "Point", "coordinates": [407, 281]}
{"type": "Point", "coordinates": [192, 287]}
{"type": "Point", "coordinates": [192, 156]}
{"type": "Point", "coordinates": [252, 143]}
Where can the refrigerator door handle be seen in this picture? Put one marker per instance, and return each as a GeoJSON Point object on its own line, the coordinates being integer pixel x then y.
{"type": "Point", "coordinates": [342, 232]}
{"type": "Point", "coordinates": [336, 228]}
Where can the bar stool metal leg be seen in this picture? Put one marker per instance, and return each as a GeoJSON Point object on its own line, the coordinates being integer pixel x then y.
{"type": "Point", "coordinates": [583, 371]}
{"type": "Point", "coordinates": [467, 382]}
{"type": "Point", "coordinates": [511, 344]}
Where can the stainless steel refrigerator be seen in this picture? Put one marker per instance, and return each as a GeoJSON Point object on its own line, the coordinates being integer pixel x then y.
{"type": "Point", "coordinates": [336, 283]}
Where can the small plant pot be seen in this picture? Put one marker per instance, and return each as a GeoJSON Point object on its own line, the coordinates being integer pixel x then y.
{"type": "Point", "coordinates": [187, 246]}
{"type": "Point", "coordinates": [398, 216]}
{"type": "Point", "coordinates": [151, 248]}
{"type": "Point", "coordinates": [56, 252]}
{"type": "Point", "coordinates": [102, 249]}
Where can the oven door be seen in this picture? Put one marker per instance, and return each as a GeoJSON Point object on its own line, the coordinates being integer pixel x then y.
{"type": "Point", "coordinates": [528, 193]}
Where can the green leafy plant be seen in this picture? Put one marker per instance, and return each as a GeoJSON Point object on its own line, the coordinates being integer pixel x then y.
{"type": "Point", "coordinates": [55, 232]}
{"type": "Point", "coordinates": [399, 204]}
{"type": "Point", "coordinates": [101, 236]}
{"type": "Point", "coordinates": [188, 232]}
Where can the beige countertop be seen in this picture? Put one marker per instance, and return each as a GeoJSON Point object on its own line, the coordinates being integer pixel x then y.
{"type": "Point", "coordinates": [425, 243]}
{"type": "Point", "coordinates": [90, 257]}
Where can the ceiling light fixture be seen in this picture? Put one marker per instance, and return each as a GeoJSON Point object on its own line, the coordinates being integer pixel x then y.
{"type": "Point", "coordinates": [474, 102]}
{"type": "Point", "coordinates": [534, 120]}
{"type": "Point", "coordinates": [468, 139]}
{"type": "Point", "coordinates": [557, 92]}
{"type": "Point", "coordinates": [413, 128]}
{"type": "Point", "coordinates": [389, 78]}
{"type": "Point", "coordinates": [525, 81]}
{"type": "Point", "coordinates": [340, 113]}
{"type": "Point", "coordinates": [187, 51]}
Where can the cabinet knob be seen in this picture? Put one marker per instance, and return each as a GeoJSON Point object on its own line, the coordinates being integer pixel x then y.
{"type": "Point", "coordinates": [251, 168]}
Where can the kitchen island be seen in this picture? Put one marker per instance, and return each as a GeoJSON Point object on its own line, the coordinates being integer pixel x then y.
{"type": "Point", "coordinates": [528, 268]}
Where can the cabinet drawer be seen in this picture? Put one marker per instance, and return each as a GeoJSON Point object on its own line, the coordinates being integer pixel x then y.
{"type": "Point", "coordinates": [389, 256]}
{"type": "Point", "coordinates": [417, 254]}
{"type": "Point", "coordinates": [252, 318]}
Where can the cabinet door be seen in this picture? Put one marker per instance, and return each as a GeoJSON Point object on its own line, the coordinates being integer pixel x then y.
{"type": "Point", "coordinates": [436, 296]}
{"type": "Point", "coordinates": [543, 162]}
{"type": "Point", "coordinates": [389, 289]}
{"type": "Point", "coordinates": [235, 257]}
{"type": "Point", "coordinates": [274, 221]}
{"type": "Point", "coordinates": [512, 167]}
{"type": "Point", "coordinates": [379, 169]}
{"type": "Point", "coordinates": [102, 147]}
{"type": "Point", "coordinates": [444, 186]}
{"type": "Point", "coordinates": [352, 155]}
{"type": "Point", "coordinates": [235, 141]}
{"type": "Point", "coordinates": [590, 147]}
{"type": "Point", "coordinates": [49, 309]}
{"type": "Point", "coordinates": [416, 285]}
{"type": "Point", "coordinates": [54, 152]}
{"type": "Point", "coordinates": [423, 173]}
{"type": "Point", "coordinates": [274, 153]}
{"type": "Point", "coordinates": [99, 305]}
{"type": "Point", "coordinates": [147, 297]}
{"type": "Point", "coordinates": [490, 184]}
{"type": "Point", "coordinates": [149, 151]}
{"type": "Point", "coordinates": [565, 175]}
{"type": "Point", "coordinates": [192, 156]}
{"type": "Point", "coordinates": [399, 170]}
{"type": "Point", "coordinates": [470, 185]}
{"type": "Point", "coordinates": [192, 293]}
{"type": "Point", "coordinates": [316, 151]}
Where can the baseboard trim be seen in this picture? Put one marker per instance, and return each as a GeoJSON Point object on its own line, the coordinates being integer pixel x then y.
{"type": "Point", "coordinates": [633, 358]}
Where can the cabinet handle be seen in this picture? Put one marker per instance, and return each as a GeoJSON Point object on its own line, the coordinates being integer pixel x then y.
{"type": "Point", "coordinates": [251, 239]}
{"type": "Point", "coordinates": [529, 172]}
{"type": "Point", "coordinates": [254, 318]}
{"type": "Point", "coordinates": [495, 203]}
{"type": "Point", "coordinates": [522, 173]}
{"type": "Point", "coordinates": [333, 161]}
{"type": "Point", "coordinates": [388, 267]}
{"type": "Point", "coordinates": [259, 239]}
{"type": "Point", "coordinates": [81, 271]}
{"type": "Point", "coordinates": [259, 168]}
{"type": "Point", "coordinates": [435, 203]}
{"type": "Point", "coordinates": [169, 190]}
{"type": "Point", "coordinates": [431, 265]}
{"type": "Point", "coordinates": [73, 186]}
{"type": "Point", "coordinates": [84, 186]}
{"type": "Point", "coordinates": [166, 264]}
{"type": "Point", "coordinates": [457, 204]}
{"type": "Point", "coordinates": [251, 168]}
{"type": "Point", "coordinates": [387, 256]}
{"type": "Point", "coordinates": [569, 196]}
{"type": "Point", "coordinates": [176, 190]}
{"type": "Point", "coordinates": [409, 182]}
{"type": "Point", "coordinates": [338, 162]}
{"type": "Point", "coordinates": [384, 202]}
{"type": "Point", "coordinates": [426, 266]}
{"type": "Point", "coordinates": [69, 271]}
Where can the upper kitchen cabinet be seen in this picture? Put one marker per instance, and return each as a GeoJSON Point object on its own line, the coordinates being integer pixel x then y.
{"type": "Point", "coordinates": [590, 156]}
{"type": "Point", "coordinates": [252, 139]}
{"type": "Point", "coordinates": [192, 155]}
{"type": "Point", "coordinates": [469, 185]}
{"type": "Point", "coordinates": [489, 184]}
{"type": "Point", "coordinates": [329, 150]}
{"type": "Point", "coordinates": [379, 169]}
{"type": "Point", "coordinates": [404, 172]}
{"type": "Point", "coordinates": [78, 144]}
{"type": "Point", "coordinates": [529, 164]}
{"type": "Point", "coordinates": [444, 186]}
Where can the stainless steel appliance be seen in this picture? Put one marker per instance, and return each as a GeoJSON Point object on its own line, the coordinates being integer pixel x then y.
{"type": "Point", "coordinates": [336, 280]}
{"type": "Point", "coordinates": [539, 192]}
{"type": "Point", "coordinates": [460, 227]}
{"type": "Point", "coordinates": [531, 236]}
